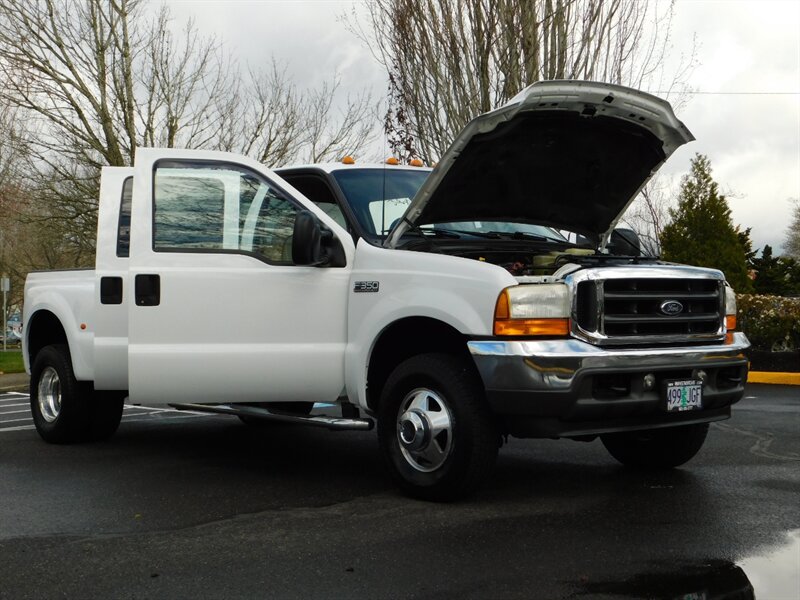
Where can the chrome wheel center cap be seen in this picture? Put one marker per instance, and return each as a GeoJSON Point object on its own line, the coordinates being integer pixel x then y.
{"type": "Point", "coordinates": [413, 430]}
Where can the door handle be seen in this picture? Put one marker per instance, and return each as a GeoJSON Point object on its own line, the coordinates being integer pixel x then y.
{"type": "Point", "coordinates": [148, 290]}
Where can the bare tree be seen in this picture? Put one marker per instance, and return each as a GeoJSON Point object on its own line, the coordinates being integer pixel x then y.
{"type": "Point", "coordinates": [649, 213]}
{"type": "Point", "coordinates": [327, 136]}
{"type": "Point", "coordinates": [280, 123]}
{"type": "Point", "coordinates": [450, 60]}
{"type": "Point", "coordinates": [94, 79]}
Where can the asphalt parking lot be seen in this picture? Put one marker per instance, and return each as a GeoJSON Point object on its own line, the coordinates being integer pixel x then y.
{"type": "Point", "coordinates": [180, 505]}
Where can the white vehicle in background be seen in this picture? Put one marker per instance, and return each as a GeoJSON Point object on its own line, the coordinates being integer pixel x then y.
{"type": "Point", "coordinates": [446, 304]}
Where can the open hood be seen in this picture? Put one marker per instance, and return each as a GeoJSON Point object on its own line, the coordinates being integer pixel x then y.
{"type": "Point", "coordinates": [566, 154]}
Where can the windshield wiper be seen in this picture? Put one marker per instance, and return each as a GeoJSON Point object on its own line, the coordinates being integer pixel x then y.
{"type": "Point", "coordinates": [522, 235]}
{"type": "Point", "coordinates": [445, 233]}
{"type": "Point", "coordinates": [460, 232]}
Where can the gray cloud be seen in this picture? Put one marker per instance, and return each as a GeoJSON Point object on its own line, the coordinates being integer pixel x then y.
{"type": "Point", "coordinates": [753, 141]}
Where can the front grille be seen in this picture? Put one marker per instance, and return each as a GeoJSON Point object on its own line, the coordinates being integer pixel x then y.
{"type": "Point", "coordinates": [620, 309]}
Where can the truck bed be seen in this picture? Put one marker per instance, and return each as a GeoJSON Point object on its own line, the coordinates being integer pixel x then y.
{"type": "Point", "coordinates": [70, 295]}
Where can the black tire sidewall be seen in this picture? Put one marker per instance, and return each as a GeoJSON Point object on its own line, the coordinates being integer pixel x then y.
{"type": "Point", "coordinates": [657, 448]}
{"type": "Point", "coordinates": [106, 414]}
{"type": "Point", "coordinates": [72, 422]}
{"type": "Point", "coordinates": [471, 422]}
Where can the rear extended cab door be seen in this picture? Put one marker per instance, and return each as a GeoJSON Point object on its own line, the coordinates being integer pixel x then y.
{"type": "Point", "coordinates": [112, 293]}
{"type": "Point", "coordinates": [220, 312]}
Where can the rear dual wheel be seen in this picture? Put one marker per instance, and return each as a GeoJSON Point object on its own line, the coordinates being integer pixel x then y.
{"type": "Point", "coordinates": [435, 430]}
{"type": "Point", "coordinates": [66, 410]}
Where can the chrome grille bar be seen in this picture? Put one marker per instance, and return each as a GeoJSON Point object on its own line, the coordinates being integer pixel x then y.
{"type": "Point", "coordinates": [620, 306]}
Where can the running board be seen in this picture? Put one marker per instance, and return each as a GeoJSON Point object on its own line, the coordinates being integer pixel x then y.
{"type": "Point", "coordinates": [265, 413]}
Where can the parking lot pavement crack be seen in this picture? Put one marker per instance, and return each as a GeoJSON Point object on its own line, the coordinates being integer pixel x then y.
{"type": "Point", "coordinates": [762, 444]}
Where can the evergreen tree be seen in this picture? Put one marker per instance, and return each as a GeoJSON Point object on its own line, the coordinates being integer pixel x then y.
{"type": "Point", "coordinates": [776, 275]}
{"type": "Point", "coordinates": [702, 233]}
{"type": "Point", "coordinates": [792, 245]}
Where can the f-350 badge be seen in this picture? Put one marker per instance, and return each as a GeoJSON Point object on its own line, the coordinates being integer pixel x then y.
{"type": "Point", "coordinates": [366, 286]}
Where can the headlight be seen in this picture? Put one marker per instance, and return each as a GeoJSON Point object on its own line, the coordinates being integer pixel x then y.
{"type": "Point", "coordinates": [730, 308]}
{"type": "Point", "coordinates": [539, 309]}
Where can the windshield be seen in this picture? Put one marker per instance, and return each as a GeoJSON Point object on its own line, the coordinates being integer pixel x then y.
{"type": "Point", "coordinates": [380, 197]}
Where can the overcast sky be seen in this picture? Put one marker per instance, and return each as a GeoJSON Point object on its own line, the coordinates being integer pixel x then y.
{"type": "Point", "coordinates": [746, 118]}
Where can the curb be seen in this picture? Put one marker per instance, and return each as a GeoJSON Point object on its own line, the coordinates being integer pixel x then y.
{"type": "Point", "coordinates": [774, 378]}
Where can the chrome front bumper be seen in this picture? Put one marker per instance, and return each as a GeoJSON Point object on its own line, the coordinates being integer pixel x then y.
{"type": "Point", "coordinates": [585, 387]}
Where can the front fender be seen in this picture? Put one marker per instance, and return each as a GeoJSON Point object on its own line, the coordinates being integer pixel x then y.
{"type": "Point", "coordinates": [457, 291]}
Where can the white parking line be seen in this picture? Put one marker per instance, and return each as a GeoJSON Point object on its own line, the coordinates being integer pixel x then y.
{"type": "Point", "coordinates": [128, 413]}
{"type": "Point", "coordinates": [17, 428]}
{"type": "Point", "coordinates": [131, 413]}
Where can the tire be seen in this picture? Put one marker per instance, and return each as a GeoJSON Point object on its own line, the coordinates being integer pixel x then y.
{"type": "Point", "coordinates": [61, 405]}
{"type": "Point", "coordinates": [105, 415]}
{"type": "Point", "coordinates": [657, 448]}
{"type": "Point", "coordinates": [436, 433]}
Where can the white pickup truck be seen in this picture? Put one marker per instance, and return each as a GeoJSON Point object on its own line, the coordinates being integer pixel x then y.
{"type": "Point", "coordinates": [488, 297]}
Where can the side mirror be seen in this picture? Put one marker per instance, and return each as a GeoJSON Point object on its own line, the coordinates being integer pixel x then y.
{"type": "Point", "coordinates": [314, 245]}
{"type": "Point", "coordinates": [307, 240]}
{"type": "Point", "coordinates": [624, 242]}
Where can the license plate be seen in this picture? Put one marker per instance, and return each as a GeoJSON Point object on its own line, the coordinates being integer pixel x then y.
{"type": "Point", "coordinates": [684, 394]}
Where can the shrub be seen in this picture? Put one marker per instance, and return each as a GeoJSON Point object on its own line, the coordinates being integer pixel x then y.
{"type": "Point", "coordinates": [772, 323]}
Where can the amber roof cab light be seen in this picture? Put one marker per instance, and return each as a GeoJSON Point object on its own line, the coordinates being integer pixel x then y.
{"type": "Point", "coordinates": [348, 160]}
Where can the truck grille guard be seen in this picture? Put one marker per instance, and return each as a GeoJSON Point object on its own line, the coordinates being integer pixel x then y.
{"type": "Point", "coordinates": [647, 305]}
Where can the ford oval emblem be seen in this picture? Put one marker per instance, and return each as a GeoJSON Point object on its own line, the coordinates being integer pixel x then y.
{"type": "Point", "coordinates": [671, 308]}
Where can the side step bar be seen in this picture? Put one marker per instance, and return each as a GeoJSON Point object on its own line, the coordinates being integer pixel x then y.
{"type": "Point", "coordinates": [264, 413]}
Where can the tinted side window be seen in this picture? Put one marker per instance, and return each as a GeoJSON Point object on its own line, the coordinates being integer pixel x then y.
{"type": "Point", "coordinates": [316, 189]}
{"type": "Point", "coordinates": [124, 226]}
{"type": "Point", "coordinates": [220, 207]}
{"type": "Point", "coordinates": [189, 211]}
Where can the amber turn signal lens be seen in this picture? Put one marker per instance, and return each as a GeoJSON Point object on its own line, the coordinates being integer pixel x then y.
{"type": "Point", "coordinates": [541, 326]}
{"type": "Point", "coordinates": [551, 327]}
{"type": "Point", "coordinates": [501, 310]}
{"type": "Point", "coordinates": [730, 322]}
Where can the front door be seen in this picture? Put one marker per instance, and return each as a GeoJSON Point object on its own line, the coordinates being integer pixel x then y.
{"type": "Point", "coordinates": [221, 314]}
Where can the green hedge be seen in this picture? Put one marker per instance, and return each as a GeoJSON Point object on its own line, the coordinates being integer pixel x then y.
{"type": "Point", "coordinates": [771, 323]}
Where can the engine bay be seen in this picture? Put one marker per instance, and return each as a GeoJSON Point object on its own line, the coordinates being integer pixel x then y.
{"type": "Point", "coordinates": [521, 263]}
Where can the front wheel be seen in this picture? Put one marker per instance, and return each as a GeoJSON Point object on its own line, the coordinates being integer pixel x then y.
{"type": "Point", "coordinates": [657, 448]}
{"type": "Point", "coordinates": [435, 430]}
